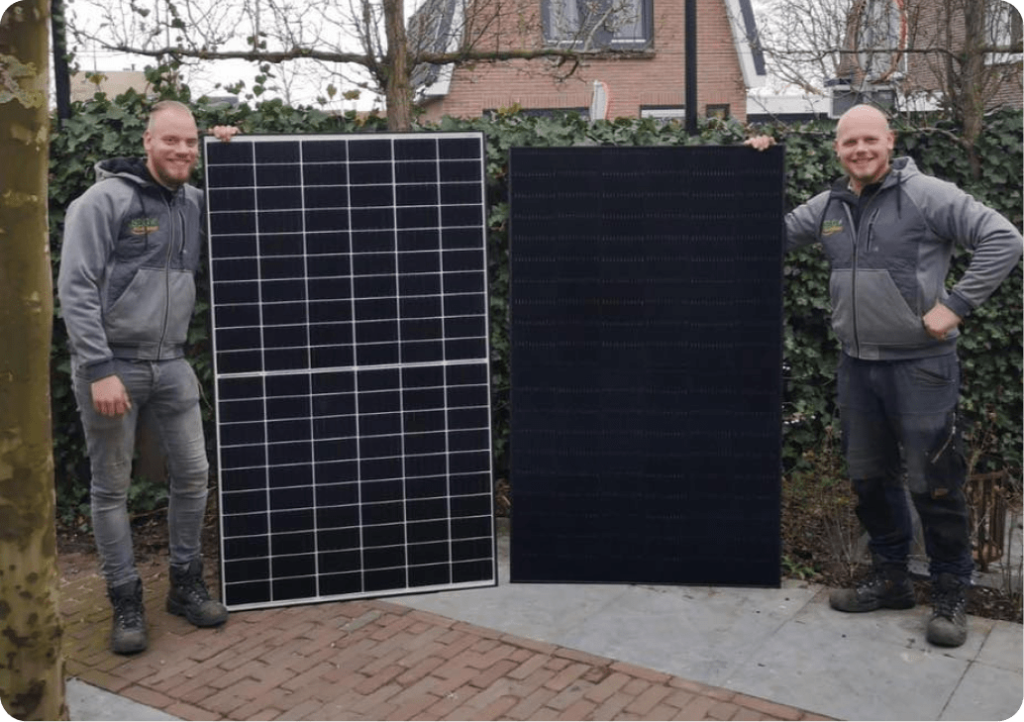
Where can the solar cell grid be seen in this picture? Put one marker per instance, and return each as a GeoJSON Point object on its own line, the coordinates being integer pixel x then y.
{"type": "Point", "coordinates": [349, 312]}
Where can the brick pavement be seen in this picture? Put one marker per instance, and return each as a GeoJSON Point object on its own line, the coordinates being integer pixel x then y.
{"type": "Point", "coordinates": [370, 659]}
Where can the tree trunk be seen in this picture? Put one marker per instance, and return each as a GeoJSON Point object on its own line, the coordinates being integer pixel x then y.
{"type": "Point", "coordinates": [31, 663]}
{"type": "Point", "coordinates": [397, 85]}
{"type": "Point", "coordinates": [972, 105]}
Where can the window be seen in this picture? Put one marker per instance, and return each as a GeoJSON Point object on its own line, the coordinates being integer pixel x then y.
{"type": "Point", "coordinates": [1003, 32]}
{"type": "Point", "coordinates": [720, 111]}
{"type": "Point", "coordinates": [882, 39]}
{"type": "Point", "coordinates": [598, 24]}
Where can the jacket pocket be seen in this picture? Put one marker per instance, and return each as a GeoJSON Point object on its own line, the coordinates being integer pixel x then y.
{"type": "Point", "coordinates": [137, 316]}
{"type": "Point", "coordinates": [182, 302]}
{"type": "Point", "coordinates": [883, 317]}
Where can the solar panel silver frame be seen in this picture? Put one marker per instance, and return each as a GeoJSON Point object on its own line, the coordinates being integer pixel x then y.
{"type": "Point", "coordinates": [483, 361]}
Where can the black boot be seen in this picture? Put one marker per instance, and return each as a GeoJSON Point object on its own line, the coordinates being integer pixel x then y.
{"type": "Point", "coordinates": [886, 586]}
{"type": "Point", "coordinates": [948, 625]}
{"type": "Point", "coordinates": [188, 597]}
{"type": "Point", "coordinates": [128, 634]}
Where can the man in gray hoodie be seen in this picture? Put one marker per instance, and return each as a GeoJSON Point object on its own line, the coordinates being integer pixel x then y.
{"type": "Point", "coordinates": [127, 291]}
{"type": "Point", "coordinates": [889, 231]}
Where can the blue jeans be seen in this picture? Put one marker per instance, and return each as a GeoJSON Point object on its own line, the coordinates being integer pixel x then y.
{"type": "Point", "coordinates": [169, 393]}
{"type": "Point", "coordinates": [899, 418]}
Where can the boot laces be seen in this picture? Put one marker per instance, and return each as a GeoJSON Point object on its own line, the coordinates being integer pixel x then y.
{"type": "Point", "coordinates": [193, 587]}
{"type": "Point", "coordinates": [127, 612]}
{"type": "Point", "coordinates": [949, 601]}
{"type": "Point", "coordinates": [875, 581]}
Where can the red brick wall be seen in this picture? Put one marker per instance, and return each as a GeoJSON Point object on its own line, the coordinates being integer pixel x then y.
{"type": "Point", "coordinates": [656, 78]}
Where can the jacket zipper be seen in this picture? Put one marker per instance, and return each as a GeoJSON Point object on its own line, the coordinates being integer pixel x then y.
{"type": "Point", "coordinates": [856, 252]}
{"type": "Point", "coordinates": [167, 278]}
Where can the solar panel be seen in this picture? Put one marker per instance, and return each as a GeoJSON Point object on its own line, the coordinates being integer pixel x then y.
{"type": "Point", "coordinates": [646, 324]}
{"type": "Point", "coordinates": [350, 342]}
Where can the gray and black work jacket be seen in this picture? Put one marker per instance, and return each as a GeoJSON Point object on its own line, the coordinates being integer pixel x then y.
{"type": "Point", "coordinates": [890, 250]}
{"type": "Point", "coordinates": [128, 263]}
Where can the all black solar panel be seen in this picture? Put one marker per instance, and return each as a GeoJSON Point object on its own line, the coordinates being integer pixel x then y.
{"type": "Point", "coordinates": [646, 328]}
{"type": "Point", "coordinates": [349, 307]}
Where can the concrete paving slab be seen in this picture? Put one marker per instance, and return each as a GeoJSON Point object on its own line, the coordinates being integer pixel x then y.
{"type": "Point", "coordinates": [86, 702]}
{"type": "Point", "coordinates": [1004, 647]}
{"type": "Point", "coordinates": [903, 627]}
{"type": "Point", "coordinates": [981, 695]}
{"type": "Point", "coordinates": [880, 670]}
{"type": "Point", "coordinates": [701, 633]}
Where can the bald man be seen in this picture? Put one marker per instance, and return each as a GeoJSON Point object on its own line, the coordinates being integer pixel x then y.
{"type": "Point", "coordinates": [127, 292]}
{"type": "Point", "coordinates": [889, 232]}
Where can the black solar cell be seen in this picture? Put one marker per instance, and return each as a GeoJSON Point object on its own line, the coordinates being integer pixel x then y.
{"type": "Point", "coordinates": [646, 319]}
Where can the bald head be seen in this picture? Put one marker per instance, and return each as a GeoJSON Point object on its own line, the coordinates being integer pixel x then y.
{"type": "Point", "coordinates": [165, 106]}
{"type": "Point", "coordinates": [172, 144]}
{"type": "Point", "coordinates": [862, 114]}
{"type": "Point", "coordinates": [864, 144]}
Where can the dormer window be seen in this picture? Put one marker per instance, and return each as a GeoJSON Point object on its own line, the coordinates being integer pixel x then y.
{"type": "Point", "coordinates": [598, 24]}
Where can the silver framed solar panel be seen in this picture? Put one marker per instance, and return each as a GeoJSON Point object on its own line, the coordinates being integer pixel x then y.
{"type": "Point", "coordinates": [349, 313]}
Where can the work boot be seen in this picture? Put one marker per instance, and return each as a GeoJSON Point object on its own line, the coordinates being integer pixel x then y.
{"type": "Point", "coordinates": [886, 586]}
{"type": "Point", "coordinates": [188, 597]}
{"type": "Point", "coordinates": [128, 634]}
{"type": "Point", "coordinates": [948, 625]}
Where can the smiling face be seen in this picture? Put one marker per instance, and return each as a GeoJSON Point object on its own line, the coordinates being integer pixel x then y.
{"type": "Point", "coordinates": [864, 144]}
{"type": "Point", "coordinates": [172, 146]}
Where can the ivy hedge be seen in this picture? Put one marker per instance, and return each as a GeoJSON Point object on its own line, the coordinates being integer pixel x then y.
{"type": "Point", "coordinates": [991, 345]}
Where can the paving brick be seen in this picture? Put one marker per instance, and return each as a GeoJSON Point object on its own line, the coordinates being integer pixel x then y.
{"type": "Point", "coordinates": [636, 687]}
{"type": "Point", "coordinates": [580, 709]}
{"type": "Point", "coordinates": [697, 708]}
{"type": "Point", "coordinates": [189, 711]}
{"type": "Point", "coordinates": [378, 680]}
{"type": "Point", "coordinates": [531, 664]}
{"type": "Point", "coordinates": [660, 712]}
{"type": "Point", "coordinates": [496, 708]}
{"type": "Point", "coordinates": [531, 704]}
{"type": "Point", "coordinates": [146, 696]}
{"type": "Point", "coordinates": [225, 701]}
{"type": "Point", "coordinates": [567, 676]}
{"type": "Point", "coordinates": [414, 707]}
{"type": "Point", "coordinates": [647, 700]}
{"type": "Point", "coordinates": [679, 698]}
{"type": "Point", "coordinates": [608, 686]}
{"type": "Point", "coordinates": [301, 710]}
{"type": "Point", "coordinates": [494, 672]}
{"type": "Point", "coordinates": [613, 705]}
{"type": "Point", "coordinates": [422, 668]}
{"type": "Point", "coordinates": [494, 652]}
{"type": "Point", "coordinates": [722, 710]}
{"type": "Point", "coordinates": [570, 695]}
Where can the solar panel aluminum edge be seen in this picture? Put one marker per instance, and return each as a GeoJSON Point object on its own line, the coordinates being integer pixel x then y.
{"type": "Point", "coordinates": [646, 348]}
{"type": "Point", "coordinates": [349, 310]}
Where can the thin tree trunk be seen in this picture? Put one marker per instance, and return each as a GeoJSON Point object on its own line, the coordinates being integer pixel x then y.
{"type": "Point", "coordinates": [972, 85]}
{"type": "Point", "coordinates": [31, 663]}
{"type": "Point", "coordinates": [397, 86]}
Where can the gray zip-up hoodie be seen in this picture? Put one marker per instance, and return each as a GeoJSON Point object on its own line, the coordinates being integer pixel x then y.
{"type": "Point", "coordinates": [127, 272]}
{"type": "Point", "coordinates": [890, 250]}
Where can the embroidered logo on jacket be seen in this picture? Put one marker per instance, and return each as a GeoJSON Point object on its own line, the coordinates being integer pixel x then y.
{"type": "Point", "coordinates": [830, 228]}
{"type": "Point", "coordinates": [142, 226]}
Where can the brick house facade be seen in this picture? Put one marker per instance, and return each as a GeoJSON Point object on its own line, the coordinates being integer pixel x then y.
{"type": "Point", "coordinates": [930, 32]}
{"type": "Point", "coordinates": [647, 80]}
